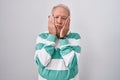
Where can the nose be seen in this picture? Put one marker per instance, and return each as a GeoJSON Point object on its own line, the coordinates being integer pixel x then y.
{"type": "Point", "coordinates": [59, 20]}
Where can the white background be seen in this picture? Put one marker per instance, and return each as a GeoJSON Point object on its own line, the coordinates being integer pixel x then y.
{"type": "Point", "coordinates": [98, 22]}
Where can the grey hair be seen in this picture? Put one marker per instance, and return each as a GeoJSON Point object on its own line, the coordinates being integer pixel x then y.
{"type": "Point", "coordinates": [62, 5]}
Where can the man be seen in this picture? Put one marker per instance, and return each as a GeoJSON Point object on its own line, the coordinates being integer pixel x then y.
{"type": "Point", "coordinates": [57, 51]}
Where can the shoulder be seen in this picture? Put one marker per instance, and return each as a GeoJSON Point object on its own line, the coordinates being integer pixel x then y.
{"type": "Point", "coordinates": [43, 35]}
{"type": "Point", "coordinates": [73, 35]}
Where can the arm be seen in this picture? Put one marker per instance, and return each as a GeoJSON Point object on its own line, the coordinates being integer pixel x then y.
{"type": "Point", "coordinates": [45, 46]}
{"type": "Point", "coordinates": [44, 49]}
{"type": "Point", "coordinates": [68, 50]}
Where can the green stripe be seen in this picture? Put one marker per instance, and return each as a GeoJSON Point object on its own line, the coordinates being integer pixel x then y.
{"type": "Point", "coordinates": [73, 63]}
{"type": "Point", "coordinates": [38, 62]}
{"type": "Point", "coordinates": [73, 35]}
{"type": "Point", "coordinates": [68, 49]}
{"type": "Point", "coordinates": [50, 49]}
{"type": "Point", "coordinates": [58, 74]}
{"type": "Point", "coordinates": [63, 42]}
{"type": "Point", "coordinates": [65, 50]}
{"type": "Point", "coordinates": [57, 54]}
{"type": "Point", "coordinates": [51, 38]}
{"type": "Point", "coordinates": [73, 66]}
{"type": "Point", "coordinates": [70, 35]}
{"type": "Point", "coordinates": [76, 48]}
{"type": "Point", "coordinates": [43, 35]}
{"type": "Point", "coordinates": [73, 72]}
{"type": "Point", "coordinates": [39, 46]}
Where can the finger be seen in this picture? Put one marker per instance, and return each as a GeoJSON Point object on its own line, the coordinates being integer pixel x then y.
{"type": "Point", "coordinates": [53, 20]}
{"type": "Point", "coordinates": [49, 17]}
{"type": "Point", "coordinates": [67, 20]}
{"type": "Point", "coordinates": [49, 20]}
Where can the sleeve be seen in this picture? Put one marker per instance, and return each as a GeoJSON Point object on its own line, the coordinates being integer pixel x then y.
{"type": "Point", "coordinates": [69, 50]}
{"type": "Point", "coordinates": [44, 49]}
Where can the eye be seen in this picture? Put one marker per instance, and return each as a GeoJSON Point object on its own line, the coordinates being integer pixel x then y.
{"type": "Point", "coordinates": [64, 18]}
{"type": "Point", "coordinates": [56, 17]}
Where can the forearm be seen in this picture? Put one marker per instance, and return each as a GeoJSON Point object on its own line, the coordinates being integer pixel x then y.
{"type": "Point", "coordinates": [44, 50]}
{"type": "Point", "coordinates": [68, 52]}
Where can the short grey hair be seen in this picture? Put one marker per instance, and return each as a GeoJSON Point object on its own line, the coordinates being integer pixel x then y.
{"type": "Point", "coordinates": [61, 5]}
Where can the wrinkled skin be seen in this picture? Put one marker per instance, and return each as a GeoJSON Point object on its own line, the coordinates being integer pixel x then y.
{"type": "Point", "coordinates": [59, 22]}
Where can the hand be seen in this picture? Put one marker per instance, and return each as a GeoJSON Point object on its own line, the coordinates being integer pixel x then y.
{"type": "Point", "coordinates": [65, 28]}
{"type": "Point", "coordinates": [51, 25]}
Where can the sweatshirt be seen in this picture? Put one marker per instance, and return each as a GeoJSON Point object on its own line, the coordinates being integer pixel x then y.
{"type": "Point", "coordinates": [57, 59]}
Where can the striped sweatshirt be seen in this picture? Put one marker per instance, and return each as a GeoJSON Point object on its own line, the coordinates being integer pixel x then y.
{"type": "Point", "coordinates": [57, 59]}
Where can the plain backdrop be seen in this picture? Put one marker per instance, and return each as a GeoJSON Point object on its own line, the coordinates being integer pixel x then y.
{"type": "Point", "coordinates": [97, 21]}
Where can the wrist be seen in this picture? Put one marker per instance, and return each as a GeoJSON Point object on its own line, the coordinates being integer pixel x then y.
{"type": "Point", "coordinates": [62, 37]}
{"type": "Point", "coordinates": [51, 37]}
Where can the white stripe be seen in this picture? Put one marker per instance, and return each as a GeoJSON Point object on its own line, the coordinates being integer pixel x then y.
{"type": "Point", "coordinates": [62, 46]}
{"type": "Point", "coordinates": [43, 56]}
{"type": "Point", "coordinates": [74, 41]}
{"type": "Point", "coordinates": [73, 79]}
{"type": "Point", "coordinates": [57, 64]}
{"type": "Point", "coordinates": [44, 41]}
{"type": "Point", "coordinates": [68, 57]}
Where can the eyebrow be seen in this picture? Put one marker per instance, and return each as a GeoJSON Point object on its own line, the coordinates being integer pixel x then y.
{"type": "Point", "coordinates": [62, 16]}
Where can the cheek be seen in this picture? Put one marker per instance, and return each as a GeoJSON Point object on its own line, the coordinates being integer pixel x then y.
{"type": "Point", "coordinates": [55, 22]}
{"type": "Point", "coordinates": [62, 22]}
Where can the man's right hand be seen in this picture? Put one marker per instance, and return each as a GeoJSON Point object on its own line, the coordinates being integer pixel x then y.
{"type": "Point", "coordinates": [51, 25]}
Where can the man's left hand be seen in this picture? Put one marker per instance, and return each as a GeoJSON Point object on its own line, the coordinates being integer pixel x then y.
{"type": "Point", "coordinates": [65, 28]}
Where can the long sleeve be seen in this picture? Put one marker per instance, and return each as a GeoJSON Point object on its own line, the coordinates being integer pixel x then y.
{"type": "Point", "coordinates": [57, 59]}
{"type": "Point", "coordinates": [44, 49]}
{"type": "Point", "coordinates": [69, 48]}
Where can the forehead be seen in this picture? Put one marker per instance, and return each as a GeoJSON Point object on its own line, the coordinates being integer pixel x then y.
{"type": "Point", "coordinates": [60, 11]}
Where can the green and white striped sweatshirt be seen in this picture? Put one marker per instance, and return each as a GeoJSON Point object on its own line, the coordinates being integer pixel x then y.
{"type": "Point", "coordinates": [57, 59]}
